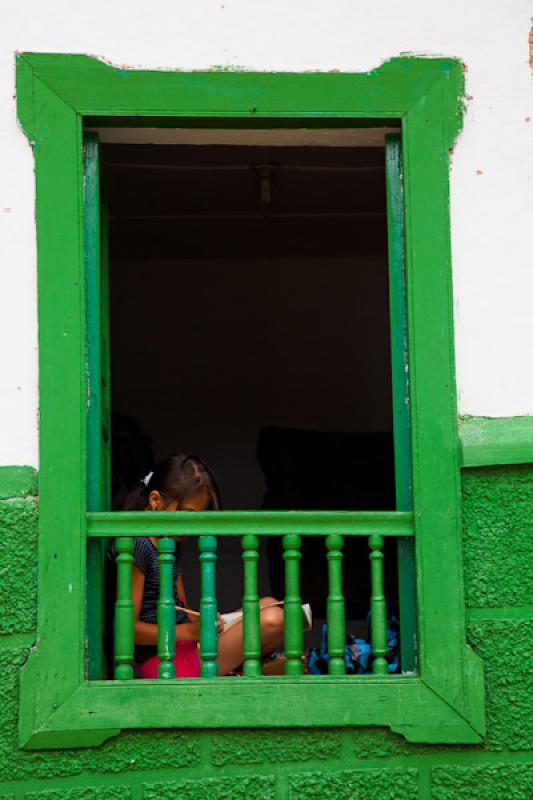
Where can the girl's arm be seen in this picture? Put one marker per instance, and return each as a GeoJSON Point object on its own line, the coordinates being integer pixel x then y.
{"type": "Point", "coordinates": [145, 632]}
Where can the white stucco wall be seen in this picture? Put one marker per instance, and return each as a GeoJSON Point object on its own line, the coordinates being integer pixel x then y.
{"type": "Point", "coordinates": [492, 170]}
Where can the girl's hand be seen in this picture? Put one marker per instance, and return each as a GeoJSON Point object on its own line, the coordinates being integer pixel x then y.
{"type": "Point", "coordinates": [192, 628]}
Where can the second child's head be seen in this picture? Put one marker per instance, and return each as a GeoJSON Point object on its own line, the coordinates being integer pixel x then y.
{"type": "Point", "coordinates": [178, 483]}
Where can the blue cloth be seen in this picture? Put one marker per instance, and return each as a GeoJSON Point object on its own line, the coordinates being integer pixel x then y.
{"type": "Point", "coordinates": [357, 653]}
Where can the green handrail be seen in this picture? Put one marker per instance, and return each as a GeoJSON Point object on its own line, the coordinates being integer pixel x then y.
{"type": "Point", "coordinates": [240, 523]}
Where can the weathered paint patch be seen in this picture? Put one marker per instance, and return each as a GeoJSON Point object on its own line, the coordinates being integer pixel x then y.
{"type": "Point", "coordinates": [17, 482]}
{"type": "Point", "coordinates": [486, 441]}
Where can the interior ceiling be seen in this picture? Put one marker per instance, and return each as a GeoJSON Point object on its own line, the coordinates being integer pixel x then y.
{"type": "Point", "coordinates": [246, 137]}
{"type": "Point", "coordinates": [183, 201]}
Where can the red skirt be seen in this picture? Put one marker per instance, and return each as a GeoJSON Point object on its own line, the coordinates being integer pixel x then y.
{"type": "Point", "coordinates": [186, 661]}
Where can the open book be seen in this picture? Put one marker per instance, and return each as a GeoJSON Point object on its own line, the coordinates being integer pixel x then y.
{"type": "Point", "coordinates": [234, 617]}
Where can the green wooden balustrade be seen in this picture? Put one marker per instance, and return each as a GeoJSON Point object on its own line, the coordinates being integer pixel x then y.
{"type": "Point", "coordinates": [378, 610]}
{"type": "Point", "coordinates": [250, 606]}
{"type": "Point", "coordinates": [293, 605]}
{"type": "Point", "coordinates": [166, 609]}
{"type": "Point", "coordinates": [124, 619]}
{"type": "Point", "coordinates": [207, 544]}
{"type": "Point", "coordinates": [335, 606]}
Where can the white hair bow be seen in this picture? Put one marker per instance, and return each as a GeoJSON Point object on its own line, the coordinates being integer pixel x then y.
{"type": "Point", "coordinates": [147, 478]}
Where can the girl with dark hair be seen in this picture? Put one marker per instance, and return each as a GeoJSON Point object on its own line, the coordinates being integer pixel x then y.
{"type": "Point", "coordinates": [183, 483]}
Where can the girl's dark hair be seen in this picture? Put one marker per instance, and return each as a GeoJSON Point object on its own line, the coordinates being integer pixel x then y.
{"type": "Point", "coordinates": [177, 477]}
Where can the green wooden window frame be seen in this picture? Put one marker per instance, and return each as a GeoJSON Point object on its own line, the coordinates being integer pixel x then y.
{"type": "Point", "coordinates": [444, 702]}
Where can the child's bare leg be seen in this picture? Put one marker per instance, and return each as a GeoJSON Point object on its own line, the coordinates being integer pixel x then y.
{"type": "Point", "coordinates": [230, 642]}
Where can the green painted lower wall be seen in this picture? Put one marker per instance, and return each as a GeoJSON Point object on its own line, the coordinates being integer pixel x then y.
{"type": "Point", "coordinates": [367, 764]}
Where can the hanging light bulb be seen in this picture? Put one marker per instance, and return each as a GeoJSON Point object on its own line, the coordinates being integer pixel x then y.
{"type": "Point", "coordinates": [265, 182]}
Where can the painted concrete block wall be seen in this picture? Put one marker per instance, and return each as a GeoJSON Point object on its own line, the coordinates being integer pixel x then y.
{"type": "Point", "coordinates": [365, 763]}
{"type": "Point", "coordinates": [491, 175]}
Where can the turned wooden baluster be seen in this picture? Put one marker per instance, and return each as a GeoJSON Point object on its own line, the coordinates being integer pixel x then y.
{"type": "Point", "coordinates": [293, 605]}
{"type": "Point", "coordinates": [250, 607]}
{"type": "Point", "coordinates": [208, 607]}
{"type": "Point", "coordinates": [124, 616]}
{"type": "Point", "coordinates": [378, 610]}
{"type": "Point", "coordinates": [166, 609]}
{"type": "Point", "coordinates": [335, 606]}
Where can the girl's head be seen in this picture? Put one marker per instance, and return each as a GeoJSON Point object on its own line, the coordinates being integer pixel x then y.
{"type": "Point", "coordinates": [178, 483]}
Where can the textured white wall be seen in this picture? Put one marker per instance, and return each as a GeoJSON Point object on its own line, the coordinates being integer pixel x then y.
{"type": "Point", "coordinates": [491, 180]}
